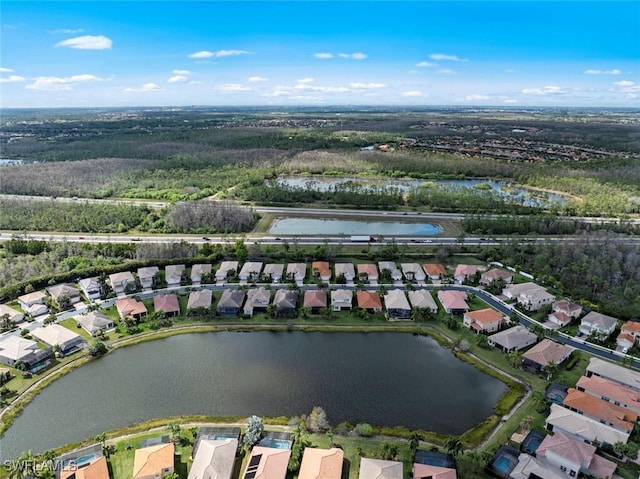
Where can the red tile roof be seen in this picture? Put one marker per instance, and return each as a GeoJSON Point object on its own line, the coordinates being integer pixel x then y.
{"type": "Point", "coordinates": [369, 300]}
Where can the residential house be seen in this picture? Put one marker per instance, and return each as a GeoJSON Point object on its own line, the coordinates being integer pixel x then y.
{"type": "Point", "coordinates": [273, 272]}
{"type": "Point", "coordinates": [531, 467]}
{"type": "Point", "coordinates": [530, 295]}
{"type": "Point", "coordinates": [341, 299]}
{"type": "Point", "coordinates": [321, 463]}
{"type": "Point", "coordinates": [154, 462]}
{"type": "Point", "coordinates": [610, 391]}
{"type": "Point", "coordinates": [597, 324]}
{"type": "Point", "coordinates": [577, 425]}
{"type": "Point", "coordinates": [321, 270]}
{"type": "Point", "coordinates": [545, 353]}
{"type": "Point", "coordinates": [615, 416]}
{"type": "Point", "coordinates": [485, 321]}
{"type": "Point", "coordinates": [369, 300]}
{"type": "Point", "coordinates": [285, 302]}
{"type": "Point", "coordinates": [147, 276]}
{"type": "Point", "coordinates": [96, 469]}
{"type": "Point", "coordinates": [199, 299]}
{"type": "Point", "coordinates": [227, 269]}
{"type": "Point", "coordinates": [315, 300]}
{"type": "Point", "coordinates": [413, 272]}
{"type": "Point", "coordinates": [57, 335]}
{"type": "Point", "coordinates": [94, 322]}
{"type": "Point", "coordinates": [257, 300]}
{"type": "Point", "coordinates": [426, 471]}
{"type": "Point", "coordinates": [390, 266]}
{"type": "Point", "coordinates": [121, 281]}
{"type": "Point", "coordinates": [454, 302]}
{"type": "Point", "coordinates": [629, 335]}
{"type": "Point", "coordinates": [198, 271]}
{"type": "Point", "coordinates": [214, 459]}
{"type": "Point", "coordinates": [13, 315]}
{"type": "Point", "coordinates": [267, 463]}
{"type": "Point", "coordinates": [345, 269]}
{"type": "Point", "coordinates": [434, 271]}
{"type": "Point", "coordinates": [618, 374]}
{"type": "Point", "coordinates": [230, 303]}
{"type": "Point", "coordinates": [557, 319]}
{"type": "Point", "coordinates": [173, 274]}
{"type": "Point", "coordinates": [131, 308]}
{"type": "Point", "coordinates": [64, 289]}
{"type": "Point", "coordinates": [367, 272]}
{"type": "Point", "coordinates": [16, 348]}
{"type": "Point", "coordinates": [250, 271]}
{"type": "Point", "coordinates": [574, 457]}
{"type": "Point", "coordinates": [380, 469]}
{"type": "Point", "coordinates": [422, 299]}
{"type": "Point", "coordinates": [296, 272]}
{"type": "Point", "coordinates": [34, 304]}
{"type": "Point", "coordinates": [567, 307]}
{"type": "Point", "coordinates": [397, 304]}
{"type": "Point", "coordinates": [495, 273]}
{"type": "Point", "coordinates": [464, 271]}
{"type": "Point", "coordinates": [91, 287]}
{"type": "Point", "coordinates": [167, 304]}
{"type": "Point", "coordinates": [513, 339]}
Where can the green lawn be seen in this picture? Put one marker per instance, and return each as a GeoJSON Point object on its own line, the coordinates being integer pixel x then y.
{"type": "Point", "coordinates": [72, 324]}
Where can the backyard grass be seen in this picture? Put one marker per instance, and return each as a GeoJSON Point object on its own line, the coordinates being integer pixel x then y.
{"type": "Point", "coordinates": [72, 324]}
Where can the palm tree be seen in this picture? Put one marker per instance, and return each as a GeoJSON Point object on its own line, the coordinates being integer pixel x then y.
{"type": "Point", "coordinates": [453, 445]}
{"type": "Point", "coordinates": [414, 442]}
{"type": "Point", "coordinates": [27, 463]}
{"type": "Point", "coordinates": [102, 439]}
{"type": "Point", "coordinates": [515, 359]}
{"type": "Point", "coordinates": [551, 369]}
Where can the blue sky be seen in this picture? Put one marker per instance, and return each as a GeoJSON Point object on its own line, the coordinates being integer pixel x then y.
{"type": "Point", "coordinates": [504, 53]}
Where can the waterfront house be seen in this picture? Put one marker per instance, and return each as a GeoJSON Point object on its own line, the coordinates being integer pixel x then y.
{"type": "Point", "coordinates": [513, 339]}
{"type": "Point", "coordinates": [321, 463]}
{"type": "Point", "coordinates": [600, 410]}
{"type": "Point", "coordinates": [315, 300]}
{"type": "Point", "coordinates": [34, 304]}
{"type": "Point", "coordinates": [434, 271]}
{"type": "Point", "coordinates": [121, 282]}
{"type": "Point", "coordinates": [12, 315]}
{"type": "Point", "coordinates": [16, 348]}
{"type": "Point", "coordinates": [230, 303]}
{"type": "Point", "coordinates": [154, 462]}
{"type": "Point", "coordinates": [454, 302]}
{"type": "Point", "coordinates": [173, 274]}
{"type": "Point", "coordinates": [484, 321]}
{"type": "Point", "coordinates": [296, 272]}
{"type": "Point", "coordinates": [341, 299]}
{"type": "Point", "coordinates": [367, 272]}
{"type": "Point", "coordinates": [577, 425]}
{"type": "Point", "coordinates": [390, 266]}
{"type": "Point", "coordinates": [273, 272]}
{"type": "Point", "coordinates": [529, 467]}
{"type": "Point", "coordinates": [495, 273]}
{"type": "Point", "coordinates": [91, 287]}
{"type": "Point", "coordinates": [257, 300]}
{"type": "Point", "coordinates": [227, 269]}
{"type": "Point", "coordinates": [214, 459]}
{"type": "Point", "coordinates": [198, 271]}
{"type": "Point", "coordinates": [147, 276]}
{"type": "Point", "coordinates": [545, 353]}
{"type": "Point", "coordinates": [380, 469]}
{"type": "Point", "coordinates": [369, 300]}
{"type": "Point", "coordinates": [199, 299]}
{"type": "Point", "coordinates": [167, 304]}
{"type": "Point", "coordinates": [285, 303]}
{"type": "Point", "coordinates": [96, 469]}
{"type": "Point", "coordinates": [464, 271]}
{"type": "Point", "coordinates": [267, 463]}
{"type": "Point", "coordinates": [422, 299]}
{"type": "Point", "coordinates": [597, 324]}
{"type": "Point", "coordinates": [618, 374]}
{"type": "Point", "coordinates": [345, 269]}
{"type": "Point", "coordinates": [426, 471]}
{"type": "Point", "coordinates": [131, 308]}
{"type": "Point", "coordinates": [95, 321]}
{"type": "Point", "coordinates": [250, 271]}
{"type": "Point", "coordinates": [57, 335]}
{"type": "Point", "coordinates": [610, 391]}
{"type": "Point", "coordinates": [397, 304]}
{"type": "Point", "coordinates": [321, 270]}
{"type": "Point", "coordinates": [413, 272]}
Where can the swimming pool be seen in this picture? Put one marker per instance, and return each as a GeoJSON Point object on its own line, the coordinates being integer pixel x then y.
{"type": "Point", "coordinates": [84, 459]}
{"type": "Point", "coordinates": [275, 443]}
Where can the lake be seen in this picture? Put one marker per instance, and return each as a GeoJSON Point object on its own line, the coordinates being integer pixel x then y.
{"type": "Point", "coordinates": [381, 378]}
{"type": "Point", "coordinates": [314, 226]}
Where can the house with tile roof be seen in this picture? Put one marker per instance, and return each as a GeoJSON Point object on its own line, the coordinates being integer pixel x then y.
{"type": "Point", "coordinates": [273, 272]}
{"type": "Point", "coordinates": [131, 308]}
{"type": "Point", "coordinates": [94, 322]}
{"type": "Point", "coordinates": [454, 302]}
{"type": "Point", "coordinates": [567, 307]}
{"type": "Point", "coordinates": [434, 271]}
{"type": "Point", "coordinates": [613, 372]}
{"type": "Point", "coordinates": [34, 304]}
{"type": "Point", "coordinates": [598, 324]}
{"type": "Point", "coordinates": [122, 281]}
{"type": "Point", "coordinates": [390, 266]}
{"type": "Point", "coordinates": [56, 335]}
{"type": "Point", "coordinates": [464, 271]}
{"type": "Point", "coordinates": [167, 304]}
{"type": "Point", "coordinates": [285, 303]}
{"type": "Point", "coordinates": [321, 270]}
{"type": "Point", "coordinates": [582, 427]}
{"type": "Point", "coordinates": [545, 353]}
{"type": "Point", "coordinates": [422, 299]}
{"type": "Point", "coordinates": [173, 274]}
{"type": "Point", "coordinates": [230, 303]}
{"type": "Point", "coordinates": [147, 276]}
{"type": "Point", "coordinates": [257, 300]}
{"type": "Point", "coordinates": [13, 315]}
{"type": "Point", "coordinates": [610, 391]}
{"type": "Point", "coordinates": [600, 410]}
{"type": "Point", "coordinates": [91, 287]}
{"type": "Point", "coordinates": [573, 456]}
{"type": "Point", "coordinates": [629, 335]}
{"type": "Point", "coordinates": [199, 299]}
{"type": "Point", "coordinates": [296, 272]}
{"type": "Point", "coordinates": [154, 462]}
{"type": "Point", "coordinates": [397, 304]}
{"type": "Point", "coordinates": [198, 271]}
{"type": "Point", "coordinates": [321, 463]}
{"type": "Point", "coordinates": [227, 269]}
{"type": "Point", "coordinates": [531, 467]}
{"type": "Point", "coordinates": [379, 469]}
{"type": "Point", "coordinates": [345, 269]}
{"type": "Point", "coordinates": [214, 459]}
{"type": "Point", "coordinates": [557, 319]}
{"type": "Point", "coordinates": [267, 463]}
{"type": "Point", "coordinates": [16, 348]}
{"type": "Point", "coordinates": [425, 471]}
{"type": "Point", "coordinates": [96, 469]}
{"type": "Point", "coordinates": [64, 289]}
{"type": "Point", "coordinates": [315, 300]}
{"type": "Point", "coordinates": [483, 321]}
{"type": "Point", "coordinates": [513, 339]}
{"type": "Point", "coordinates": [367, 272]}
{"type": "Point", "coordinates": [369, 300]}
{"type": "Point", "coordinates": [250, 271]}
{"type": "Point", "coordinates": [413, 272]}
{"type": "Point", "coordinates": [495, 273]}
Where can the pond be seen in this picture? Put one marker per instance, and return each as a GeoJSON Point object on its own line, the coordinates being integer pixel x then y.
{"type": "Point", "coordinates": [314, 226]}
{"type": "Point", "coordinates": [380, 378]}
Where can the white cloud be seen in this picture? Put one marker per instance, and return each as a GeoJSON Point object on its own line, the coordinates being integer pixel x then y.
{"type": "Point", "coordinates": [321, 89]}
{"type": "Point", "coordinates": [628, 87]}
{"type": "Point", "coordinates": [147, 87]}
{"type": "Point", "coordinates": [367, 86]}
{"type": "Point", "coordinates": [201, 54]}
{"type": "Point", "coordinates": [353, 56]}
{"type": "Point", "coordinates": [358, 56]}
{"type": "Point", "coordinates": [178, 79]}
{"type": "Point", "coordinates": [232, 88]}
{"type": "Point", "coordinates": [344, 55]}
{"type": "Point", "coordinates": [60, 83]}
{"type": "Point", "coordinates": [624, 83]}
{"type": "Point", "coordinates": [67, 30]}
{"type": "Point", "coordinates": [413, 93]}
{"type": "Point", "coordinates": [445, 71]}
{"type": "Point", "coordinates": [323, 55]}
{"type": "Point", "coordinates": [257, 79]}
{"type": "Point", "coordinates": [476, 97]}
{"type": "Point", "coordinates": [547, 90]}
{"type": "Point", "coordinates": [603, 72]}
{"type": "Point", "coordinates": [181, 72]}
{"type": "Point", "coordinates": [5, 70]}
{"type": "Point", "coordinates": [219, 53]}
{"type": "Point", "coordinates": [12, 79]}
{"type": "Point", "coordinates": [87, 42]}
{"type": "Point", "coordinates": [449, 58]}
{"type": "Point", "coordinates": [306, 80]}
{"type": "Point", "coordinates": [426, 65]}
